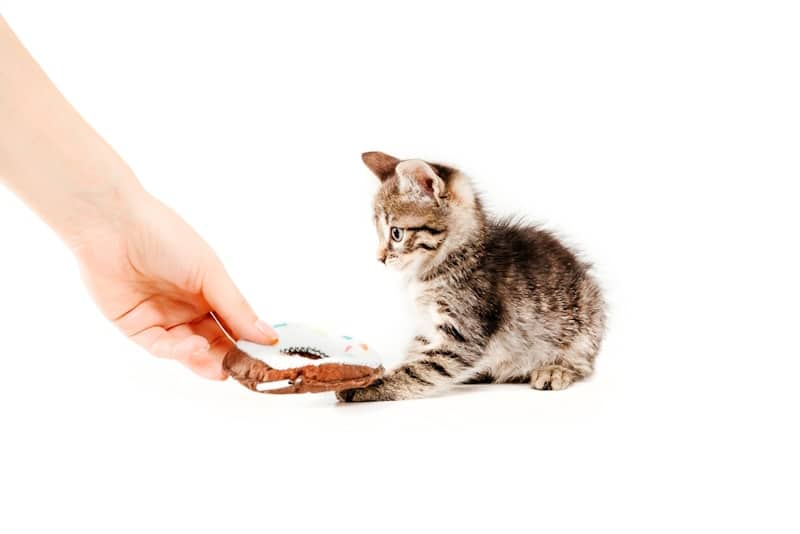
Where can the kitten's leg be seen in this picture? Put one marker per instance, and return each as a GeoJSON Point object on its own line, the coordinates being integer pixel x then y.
{"type": "Point", "coordinates": [481, 378]}
{"type": "Point", "coordinates": [430, 370]}
{"type": "Point", "coordinates": [417, 346]}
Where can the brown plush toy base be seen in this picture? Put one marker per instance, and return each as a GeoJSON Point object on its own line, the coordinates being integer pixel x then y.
{"type": "Point", "coordinates": [313, 378]}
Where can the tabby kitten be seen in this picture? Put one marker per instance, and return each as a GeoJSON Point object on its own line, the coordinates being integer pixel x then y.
{"type": "Point", "coordinates": [498, 301]}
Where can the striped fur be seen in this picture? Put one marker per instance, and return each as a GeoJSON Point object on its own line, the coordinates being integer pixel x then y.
{"type": "Point", "coordinates": [497, 301]}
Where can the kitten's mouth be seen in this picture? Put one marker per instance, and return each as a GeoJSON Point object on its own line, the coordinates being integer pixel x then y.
{"type": "Point", "coordinates": [396, 263]}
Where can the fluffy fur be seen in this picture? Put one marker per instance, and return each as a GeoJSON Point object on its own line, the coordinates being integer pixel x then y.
{"type": "Point", "coordinates": [498, 301]}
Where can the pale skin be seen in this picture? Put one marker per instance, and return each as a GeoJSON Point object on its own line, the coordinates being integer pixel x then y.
{"type": "Point", "coordinates": [147, 270]}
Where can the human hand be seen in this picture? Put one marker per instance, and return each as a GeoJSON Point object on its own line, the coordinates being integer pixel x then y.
{"type": "Point", "coordinates": [158, 281]}
{"type": "Point", "coordinates": [148, 271]}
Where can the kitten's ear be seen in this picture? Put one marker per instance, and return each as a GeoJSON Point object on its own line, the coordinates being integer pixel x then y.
{"type": "Point", "coordinates": [381, 164]}
{"type": "Point", "coordinates": [416, 175]}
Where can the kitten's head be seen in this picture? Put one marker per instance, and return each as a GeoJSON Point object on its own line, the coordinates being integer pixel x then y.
{"type": "Point", "coordinates": [421, 209]}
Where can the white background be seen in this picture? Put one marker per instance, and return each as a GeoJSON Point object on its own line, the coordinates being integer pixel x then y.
{"type": "Point", "coordinates": [662, 140]}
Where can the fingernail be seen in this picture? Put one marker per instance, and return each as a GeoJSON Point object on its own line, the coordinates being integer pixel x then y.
{"type": "Point", "coordinates": [267, 330]}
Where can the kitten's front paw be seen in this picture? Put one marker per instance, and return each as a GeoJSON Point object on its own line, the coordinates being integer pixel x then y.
{"type": "Point", "coordinates": [369, 393]}
{"type": "Point", "coordinates": [552, 377]}
{"type": "Point", "coordinates": [346, 395]}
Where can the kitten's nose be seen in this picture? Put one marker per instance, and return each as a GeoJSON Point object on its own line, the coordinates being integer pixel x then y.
{"type": "Point", "coordinates": [382, 255]}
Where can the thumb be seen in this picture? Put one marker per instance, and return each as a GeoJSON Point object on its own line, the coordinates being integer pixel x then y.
{"type": "Point", "coordinates": [233, 310]}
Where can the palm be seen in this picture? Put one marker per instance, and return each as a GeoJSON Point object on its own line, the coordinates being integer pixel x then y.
{"type": "Point", "coordinates": [155, 281]}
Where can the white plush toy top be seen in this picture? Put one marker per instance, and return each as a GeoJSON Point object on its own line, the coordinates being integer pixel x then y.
{"type": "Point", "coordinates": [297, 338]}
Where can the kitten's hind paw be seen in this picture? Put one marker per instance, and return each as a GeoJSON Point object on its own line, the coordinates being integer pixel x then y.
{"type": "Point", "coordinates": [552, 377]}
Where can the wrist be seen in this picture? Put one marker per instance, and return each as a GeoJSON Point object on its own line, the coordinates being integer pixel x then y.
{"type": "Point", "coordinates": [76, 183]}
{"type": "Point", "coordinates": [107, 208]}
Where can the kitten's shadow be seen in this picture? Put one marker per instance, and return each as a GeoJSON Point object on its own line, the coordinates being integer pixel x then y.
{"type": "Point", "coordinates": [456, 391]}
{"type": "Point", "coordinates": [468, 389]}
{"type": "Point", "coordinates": [463, 389]}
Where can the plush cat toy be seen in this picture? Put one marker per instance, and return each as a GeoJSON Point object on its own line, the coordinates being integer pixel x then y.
{"type": "Point", "coordinates": [305, 360]}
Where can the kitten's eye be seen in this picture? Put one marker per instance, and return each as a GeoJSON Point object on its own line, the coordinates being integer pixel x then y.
{"type": "Point", "coordinates": [397, 233]}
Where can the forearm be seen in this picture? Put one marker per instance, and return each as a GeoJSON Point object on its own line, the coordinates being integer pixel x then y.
{"type": "Point", "coordinates": [49, 156]}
